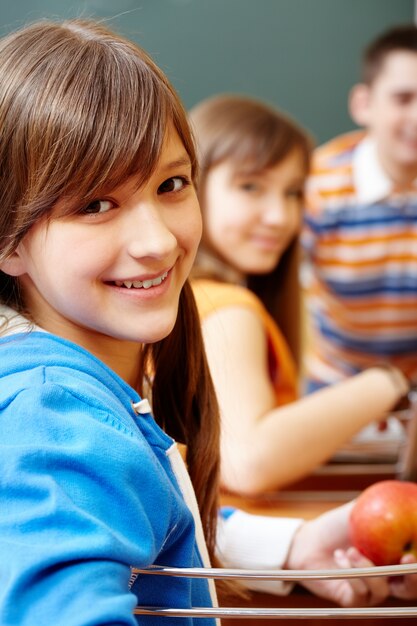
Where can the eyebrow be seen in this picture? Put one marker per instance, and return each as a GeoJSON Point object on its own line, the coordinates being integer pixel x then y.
{"type": "Point", "coordinates": [299, 180]}
{"type": "Point", "coordinates": [403, 92]}
{"type": "Point", "coordinates": [183, 161]}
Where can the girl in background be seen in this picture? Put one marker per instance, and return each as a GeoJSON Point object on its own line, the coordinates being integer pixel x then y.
{"type": "Point", "coordinates": [254, 162]}
{"type": "Point", "coordinates": [99, 226]}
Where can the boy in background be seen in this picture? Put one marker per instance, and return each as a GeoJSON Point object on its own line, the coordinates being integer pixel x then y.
{"type": "Point", "coordinates": [361, 224]}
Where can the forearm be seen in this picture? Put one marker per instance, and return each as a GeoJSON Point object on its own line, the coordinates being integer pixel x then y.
{"type": "Point", "coordinates": [289, 442]}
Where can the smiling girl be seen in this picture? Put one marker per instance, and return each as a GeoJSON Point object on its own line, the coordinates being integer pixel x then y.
{"type": "Point", "coordinates": [254, 162]}
{"type": "Point", "coordinates": [99, 227]}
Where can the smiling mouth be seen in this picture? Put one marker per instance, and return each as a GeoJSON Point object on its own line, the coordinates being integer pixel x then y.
{"type": "Point", "coordinates": [269, 242]}
{"type": "Point", "coordinates": [141, 284]}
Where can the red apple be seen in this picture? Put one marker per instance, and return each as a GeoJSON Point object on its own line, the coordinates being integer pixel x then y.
{"type": "Point", "coordinates": [383, 521]}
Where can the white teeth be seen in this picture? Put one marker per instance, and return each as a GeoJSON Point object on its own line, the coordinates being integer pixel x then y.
{"type": "Point", "coordinates": [139, 284]}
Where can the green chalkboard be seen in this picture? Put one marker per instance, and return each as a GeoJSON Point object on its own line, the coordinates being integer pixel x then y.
{"type": "Point", "coordinates": [302, 55]}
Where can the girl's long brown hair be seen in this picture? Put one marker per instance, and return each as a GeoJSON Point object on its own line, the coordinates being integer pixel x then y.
{"type": "Point", "coordinates": [184, 402]}
{"type": "Point", "coordinates": [253, 136]}
{"type": "Point", "coordinates": [81, 111]}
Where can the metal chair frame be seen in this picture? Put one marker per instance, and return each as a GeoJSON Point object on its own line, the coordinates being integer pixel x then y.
{"type": "Point", "coordinates": [287, 575]}
{"type": "Point", "coordinates": [405, 468]}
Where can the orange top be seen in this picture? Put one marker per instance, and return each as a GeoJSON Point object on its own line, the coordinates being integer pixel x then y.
{"type": "Point", "coordinates": [212, 296]}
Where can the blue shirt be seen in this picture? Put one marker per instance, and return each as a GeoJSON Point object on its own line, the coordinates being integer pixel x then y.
{"type": "Point", "coordinates": [88, 491]}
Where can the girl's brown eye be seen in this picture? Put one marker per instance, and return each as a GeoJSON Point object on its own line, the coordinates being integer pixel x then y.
{"type": "Point", "coordinates": [97, 206]}
{"type": "Point", "coordinates": [249, 186]}
{"type": "Point", "coordinates": [296, 193]}
{"type": "Point", "coordinates": [173, 184]}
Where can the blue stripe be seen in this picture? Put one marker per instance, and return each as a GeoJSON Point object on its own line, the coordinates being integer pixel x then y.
{"type": "Point", "coordinates": [379, 286]}
{"type": "Point", "coordinates": [359, 218]}
{"type": "Point", "coordinates": [377, 347]}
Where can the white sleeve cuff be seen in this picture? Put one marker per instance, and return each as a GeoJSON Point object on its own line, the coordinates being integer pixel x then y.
{"type": "Point", "coordinates": [248, 541]}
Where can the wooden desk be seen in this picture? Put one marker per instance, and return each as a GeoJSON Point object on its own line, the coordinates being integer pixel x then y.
{"type": "Point", "coordinates": [307, 505]}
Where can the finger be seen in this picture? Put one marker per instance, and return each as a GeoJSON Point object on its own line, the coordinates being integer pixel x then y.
{"type": "Point", "coordinates": [405, 587]}
{"type": "Point", "coordinates": [378, 587]}
{"type": "Point", "coordinates": [339, 591]}
{"type": "Point", "coordinates": [354, 591]}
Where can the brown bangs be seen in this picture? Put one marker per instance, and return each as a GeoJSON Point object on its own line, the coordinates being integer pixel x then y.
{"type": "Point", "coordinates": [249, 133]}
{"type": "Point", "coordinates": [264, 144]}
{"type": "Point", "coordinates": [94, 113]}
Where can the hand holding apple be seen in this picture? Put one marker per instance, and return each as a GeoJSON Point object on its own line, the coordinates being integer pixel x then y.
{"type": "Point", "coordinates": [383, 521]}
{"type": "Point", "coordinates": [324, 543]}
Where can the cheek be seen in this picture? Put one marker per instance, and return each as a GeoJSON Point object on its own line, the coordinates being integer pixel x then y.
{"type": "Point", "coordinates": [224, 211]}
{"type": "Point", "coordinates": [298, 221]}
{"type": "Point", "coordinates": [386, 119]}
{"type": "Point", "coordinates": [189, 235]}
{"type": "Point", "coordinates": [235, 223]}
{"type": "Point", "coordinates": [197, 231]}
{"type": "Point", "coordinates": [214, 225]}
{"type": "Point", "coordinates": [294, 221]}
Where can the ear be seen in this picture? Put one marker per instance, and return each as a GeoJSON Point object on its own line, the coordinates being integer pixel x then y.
{"type": "Point", "coordinates": [359, 104]}
{"type": "Point", "coordinates": [13, 265]}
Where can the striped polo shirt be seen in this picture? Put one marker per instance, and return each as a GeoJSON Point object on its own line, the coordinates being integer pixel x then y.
{"type": "Point", "coordinates": [360, 240]}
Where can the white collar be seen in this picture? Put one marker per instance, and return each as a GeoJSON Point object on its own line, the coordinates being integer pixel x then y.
{"type": "Point", "coordinates": [369, 178]}
{"type": "Point", "coordinates": [15, 322]}
{"type": "Point", "coordinates": [370, 181]}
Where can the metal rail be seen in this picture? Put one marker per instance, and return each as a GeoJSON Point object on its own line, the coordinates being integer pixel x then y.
{"type": "Point", "coordinates": [280, 613]}
{"type": "Point", "coordinates": [294, 575]}
{"type": "Point", "coordinates": [233, 612]}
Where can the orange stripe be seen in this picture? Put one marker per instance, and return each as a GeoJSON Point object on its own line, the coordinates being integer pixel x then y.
{"type": "Point", "coordinates": [379, 305]}
{"type": "Point", "coordinates": [339, 144]}
{"type": "Point", "coordinates": [369, 305]}
{"type": "Point", "coordinates": [333, 241]}
{"type": "Point", "coordinates": [381, 326]}
{"type": "Point", "coordinates": [368, 263]}
{"type": "Point", "coordinates": [348, 325]}
{"type": "Point", "coordinates": [342, 191]}
{"type": "Point", "coordinates": [320, 170]}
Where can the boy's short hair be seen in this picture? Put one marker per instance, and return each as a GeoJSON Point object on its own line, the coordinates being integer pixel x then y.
{"type": "Point", "coordinates": [399, 38]}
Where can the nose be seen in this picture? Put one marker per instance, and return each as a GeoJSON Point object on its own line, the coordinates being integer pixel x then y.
{"type": "Point", "coordinates": [148, 233]}
{"type": "Point", "coordinates": [275, 212]}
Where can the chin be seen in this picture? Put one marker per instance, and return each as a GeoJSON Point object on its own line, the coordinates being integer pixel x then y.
{"type": "Point", "coordinates": [150, 333]}
{"type": "Point", "coordinates": [409, 160]}
{"type": "Point", "coordinates": [406, 154]}
{"type": "Point", "coordinates": [261, 269]}
{"type": "Point", "coordinates": [159, 333]}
